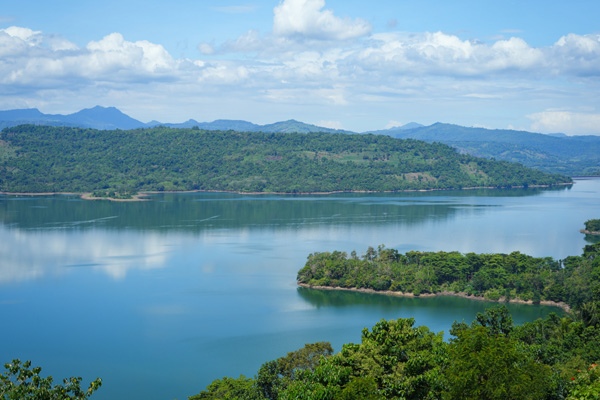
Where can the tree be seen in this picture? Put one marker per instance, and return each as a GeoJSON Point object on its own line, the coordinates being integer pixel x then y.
{"type": "Point", "coordinates": [274, 376]}
{"type": "Point", "coordinates": [21, 382]}
{"type": "Point", "coordinates": [490, 366]}
{"type": "Point", "coordinates": [230, 389]}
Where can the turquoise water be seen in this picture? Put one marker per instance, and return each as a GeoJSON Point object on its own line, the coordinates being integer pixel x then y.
{"type": "Point", "coordinates": [161, 297]}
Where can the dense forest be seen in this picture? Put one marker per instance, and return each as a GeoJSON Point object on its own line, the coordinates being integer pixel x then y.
{"type": "Point", "coordinates": [493, 276]}
{"type": "Point", "coordinates": [551, 358]}
{"type": "Point", "coordinates": [61, 159]}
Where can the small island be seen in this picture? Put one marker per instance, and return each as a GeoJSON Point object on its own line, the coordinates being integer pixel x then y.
{"type": "Point", "coordinates": [592, 227]}
{"type": "Point", "coordinates": [513, 277]}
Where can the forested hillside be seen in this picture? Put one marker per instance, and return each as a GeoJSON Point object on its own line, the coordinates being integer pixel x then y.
{"type": "Point", "coordinates": [61, 159]}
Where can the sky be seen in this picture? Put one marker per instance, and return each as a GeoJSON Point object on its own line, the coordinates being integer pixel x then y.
{"type": "Point", "coordinates": [356, 65]}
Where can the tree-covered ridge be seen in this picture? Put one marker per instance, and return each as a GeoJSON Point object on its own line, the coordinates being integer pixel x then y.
{"type": "Point", "coordinates": [553, 358]}
{"type": "Point", "coordinates": [512, 276]}
{"type": "Point", "coordinates": [61, 159]}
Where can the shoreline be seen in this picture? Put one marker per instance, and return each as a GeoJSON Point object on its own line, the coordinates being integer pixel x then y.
{"type": "Point", "coordinates": [138, 197]}
{"type": "Point", "coordinates": [589, 232]}
{"type": "Point", "coordinates": [564, 306]}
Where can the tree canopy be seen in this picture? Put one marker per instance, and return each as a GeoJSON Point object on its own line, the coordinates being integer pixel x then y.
{"type": "Point", "coordinates": [20, 381]}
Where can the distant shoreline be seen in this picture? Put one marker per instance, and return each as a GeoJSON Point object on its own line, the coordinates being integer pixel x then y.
{"type": "Point", "coordinates": [84, 196]}
{"type": "Point", "coordinates": [561, 305]}
{"type": "Point", "coordinates": [139, 197]}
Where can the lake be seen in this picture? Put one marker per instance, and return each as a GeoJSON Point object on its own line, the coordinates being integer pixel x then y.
{"type": "Point", "coordinates": [159, 298]}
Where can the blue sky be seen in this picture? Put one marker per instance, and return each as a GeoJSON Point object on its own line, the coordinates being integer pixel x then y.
{"type": "Point", "coordinates": [356, 65]}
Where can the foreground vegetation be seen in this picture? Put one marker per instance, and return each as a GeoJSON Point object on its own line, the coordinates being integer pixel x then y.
{"type": "Point", "coordinates": [553, 358]}
{"type": "Point", "coordinates": [20, 381]}
{"type": "Point", "coordinates": [46, 159]}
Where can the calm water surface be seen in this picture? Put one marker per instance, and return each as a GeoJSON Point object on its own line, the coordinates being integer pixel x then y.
{"type": "Point", "coordinates": [161, 297]}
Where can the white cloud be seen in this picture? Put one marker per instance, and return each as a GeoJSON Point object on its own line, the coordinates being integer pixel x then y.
{"type": "Point", "coordinates": [576, 54]}
{"type": "Point", "coordinates": [393, 124]}
{"type": "Point", "coordinates": [571, 123]}
{"type": "Point", "coordinates": [206, 48]}
{"type": "Point", "coordinates": [114, 52]}
{"type": "Point", "coordinates": [306, 19]}
{"type": "Point", "coordinates": [330, 124]}
{"type": "Point", "coordinates": [312, 58]}
{"type": "Point", "coordinates": [24, 34]}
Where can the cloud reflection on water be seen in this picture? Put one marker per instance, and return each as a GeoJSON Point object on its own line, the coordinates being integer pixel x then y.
{"type": "Point", "coordinates": [32, 254]}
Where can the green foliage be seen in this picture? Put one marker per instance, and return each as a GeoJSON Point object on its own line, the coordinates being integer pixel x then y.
{"type": "Point", "coordinates": [586, 385]}
{"type": "Point", "coordinates": [592, 225]}
{"type": "Point", "coordinates": [493, 276]}
{"type": "Point", "coordinates": [61, 159]}
{"type": "Point", "coordinates": [21, 382]}
{"type": "Point", "coordinates": [273, 376]}
{"type": "Point", "coordinates": [486, 365]}
{"type": "Point", "coordinates": [497, 320]}
{"type": "Point", "coordinates": [404, 361]}
{"type": "Point", "coordinates": [551, 358]}
{"type": "Point", "coordinates": [230, 389]}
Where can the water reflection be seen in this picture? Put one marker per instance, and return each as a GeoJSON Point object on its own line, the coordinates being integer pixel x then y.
{"type": "Point", "coordinates": [435, 312]}
{"type": "Point", "coordinates": [31, 254]}
{"type": "Point", "coordinates": [201, 211]}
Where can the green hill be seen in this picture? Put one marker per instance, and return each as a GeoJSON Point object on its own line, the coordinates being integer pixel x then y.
{"type": "Point", "coordinates": [61, 159]}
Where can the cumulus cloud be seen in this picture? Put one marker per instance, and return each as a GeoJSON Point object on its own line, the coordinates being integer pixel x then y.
{"type": "Point", "coordinates": [36, 59]}
{"type": "Point", "coordinates": [443, 54]}
{"type": "Point", "coordinates": [114, 53]}
{"type": "Point", "coordinates": [312, 57]}
{"type": "Point", "coordinates": [576, 54]}
{"type": "Point", "coordinates": [307, 19]}
{"type": "Point", "coordinates": [571, 123]}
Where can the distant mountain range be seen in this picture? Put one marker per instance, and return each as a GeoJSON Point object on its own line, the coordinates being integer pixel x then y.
{"type": "Point", "coordinates": [108, 118]}
{"type": "Point", "coordinates": [557, 153]}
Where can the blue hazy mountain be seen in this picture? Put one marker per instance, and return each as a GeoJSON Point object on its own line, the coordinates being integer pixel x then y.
{"type": "Point", "coordinates": [108, 118]}
{"type": "Point", "coordinates": [96, 117]}
{"type": "Point", "coordinates": [559, 153]}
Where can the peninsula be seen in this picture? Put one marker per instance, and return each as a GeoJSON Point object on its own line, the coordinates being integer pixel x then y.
{"type": "Point", "coordinates": [512, 277]}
